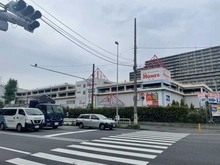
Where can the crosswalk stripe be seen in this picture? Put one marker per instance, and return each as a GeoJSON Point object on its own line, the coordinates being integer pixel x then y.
{"type": "Point", "coordinates": [123, 147]}
{"type": "Point", "coordinates": [153, 137]}
{"type": "Point", "coordinates": [103, 157]}
{"type": "Point", "coordinates": [160, 133]}
{"type": "Point", "coordinates": [63, 159]}
{"type": "Point", "coordinates": [19, 161]}
{"type": "Point", "coordinates": [114, 151]}
{"type": "Point", "coordinates": [145, 139]}
{"type": "Point", "coordinates": [131, 144]}
{"type": "Point", "coordinates": [137, 141]}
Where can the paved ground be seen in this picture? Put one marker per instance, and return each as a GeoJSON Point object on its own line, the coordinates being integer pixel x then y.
{"type": "Point", "coordinates": [68, 145]}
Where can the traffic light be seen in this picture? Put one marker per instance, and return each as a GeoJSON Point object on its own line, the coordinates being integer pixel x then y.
{"type": "Point", "coordinates": [25, 12]}
{"type": "Point", "coordinates": [142, 96]}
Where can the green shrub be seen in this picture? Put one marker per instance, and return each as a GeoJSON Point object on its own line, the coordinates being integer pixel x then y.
{"type": "Point", "coordinates": [135, 126]}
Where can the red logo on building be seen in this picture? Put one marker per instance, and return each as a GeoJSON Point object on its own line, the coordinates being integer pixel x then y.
{"type": "Point", "coordinates": [148, 76]}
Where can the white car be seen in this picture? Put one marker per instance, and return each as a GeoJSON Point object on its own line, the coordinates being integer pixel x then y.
{"type": "Point", "coordinates": [94, 121]}
{"type": "Point", "coordinates": [20, 118]}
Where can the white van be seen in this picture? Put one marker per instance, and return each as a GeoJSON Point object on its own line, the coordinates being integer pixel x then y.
{"type": "Point", "coordinates": [20, 118]}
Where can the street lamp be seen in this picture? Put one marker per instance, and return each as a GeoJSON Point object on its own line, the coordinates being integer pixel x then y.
{"type": "Point", "coordinates": [117, 84]}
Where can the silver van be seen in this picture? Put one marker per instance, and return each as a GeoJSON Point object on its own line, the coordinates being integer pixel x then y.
{"type": "Point", "coordinates": [94, 121]}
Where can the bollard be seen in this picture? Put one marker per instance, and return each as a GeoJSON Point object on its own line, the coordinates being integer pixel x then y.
{"type": "Point", "coordinates": [199, 128]}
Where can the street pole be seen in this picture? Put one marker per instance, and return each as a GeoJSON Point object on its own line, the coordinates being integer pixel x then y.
{"type": "Point", "coordinates": [117, 83]}
{"type": "Point", "coordinates": [135, 74]}
{"type": "Point", "coordinates": [93, 70]}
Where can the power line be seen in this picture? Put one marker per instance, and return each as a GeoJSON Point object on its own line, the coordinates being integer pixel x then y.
{"type": "Point", "coordinates": [75, 31]}
{"type": "Point", "coordinates": [74, 38]}
{"type": "Point", "coordinates": [180, 47]}
{"type": "Point", "coordinates": [58, 29]}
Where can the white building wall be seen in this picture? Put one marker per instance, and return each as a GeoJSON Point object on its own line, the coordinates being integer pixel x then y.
{"type": "Point", "coordinates": [173, 96]}
{"type": "Point", "coordinates": [66, 102]}
{"type": "Point", "coordinates": [192, 99]}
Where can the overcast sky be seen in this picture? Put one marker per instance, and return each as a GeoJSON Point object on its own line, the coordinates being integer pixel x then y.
{"type": "Point", "coordinates": [160, 23]}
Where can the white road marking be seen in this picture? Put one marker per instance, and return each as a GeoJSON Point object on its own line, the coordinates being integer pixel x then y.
{"type": "Point", "coordinates": [63, 159]}
{"type": "Point", "coordinates": [153, 137]}
{"type": "Point", "coordinates": [142, 140]}
{"type": "Point", "coordinates": [138, 141]}
{"type": "Point", "coordinates": [66, 133]}
{"type": "Point", "coordinates": [123, 147]}
{"type": "Point", "coordinates": [14, 150]}
{"type": "Point", "coordinates": [103, 157]}
{"type": "Point", "coordinates": [131, 144]}
{"type": "Point", "coordinates": [42, 137]}
{"type": "Point", "coordinates": [114, 151]}
{"type": "Point", "coordinates": [19, 161]}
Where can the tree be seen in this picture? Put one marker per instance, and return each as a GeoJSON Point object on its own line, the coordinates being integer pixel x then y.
{"type": "Point", "coordinates": [182, 103]}
{"type": "Point", "coordinates": [177, 103]}
{"type": "Point", "coordinates": [192, 107]}
{"type": "Point", "coordinates": [1, 104]}
{"type": "Point", "coordinates": [173, 103]}
{"type": "Point", "coordinates": [10, 90]}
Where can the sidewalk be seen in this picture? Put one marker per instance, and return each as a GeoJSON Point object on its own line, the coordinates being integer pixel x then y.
{"type": "Point", "coordinates": [173, 128]}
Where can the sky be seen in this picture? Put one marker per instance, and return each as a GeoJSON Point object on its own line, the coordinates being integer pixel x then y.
{"type": "Point", "coordinates": [160, 23]}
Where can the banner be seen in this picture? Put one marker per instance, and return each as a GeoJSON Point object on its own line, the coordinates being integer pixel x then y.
{"type": "Point", "coordinates": [152, 99]}
{"type": "Point", "coordinates": [215, 110]}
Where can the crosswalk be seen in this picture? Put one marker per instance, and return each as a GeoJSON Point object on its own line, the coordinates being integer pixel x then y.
{"type": "Point", "coordinates": [137, 148]}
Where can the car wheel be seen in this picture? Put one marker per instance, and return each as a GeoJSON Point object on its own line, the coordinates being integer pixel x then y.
{"type": "Point", "coordinates": [19, 128]}
{"type": "Point", "coordinates": [55, 127]}
{"type": "Point", "coordinates": [81, 125]}
{"type": "Point", "coordinates": [2, 126]}
{"type": "Point", "coordinates": [111, 128]}
{"type": "Point", "coordinates": [36, 129]}
{"type": "Point", "coordinates": [102, 126]}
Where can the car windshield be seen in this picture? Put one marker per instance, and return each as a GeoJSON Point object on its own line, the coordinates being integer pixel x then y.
{"type": "Point", "coordinates": [54, 109]}
{"type": "Point", "coordinates": [102, 117]}
{"type": "Point", "coordinates": [32, 111]}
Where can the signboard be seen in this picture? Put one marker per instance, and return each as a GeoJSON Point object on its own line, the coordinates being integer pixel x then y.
{"type": "Point", "coordinates": [155, 74]}
{"type": "Point", "coordinates": [215, 110]}
{"type": "Point", "coordinates": [152, 99]}
{"type": "Point", "coordinates": [168, 99]}
{"type": "Point", "coordinates": [201, 97]}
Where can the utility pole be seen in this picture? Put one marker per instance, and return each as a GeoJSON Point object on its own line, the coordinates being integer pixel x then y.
{"type": "Point", "coordinates": [135, 74]}
{"type": "Point", "coordinates": [93, 70]}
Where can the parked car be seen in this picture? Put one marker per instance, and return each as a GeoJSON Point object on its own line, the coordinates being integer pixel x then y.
{"type": "Point", "coordinates": [94, 121]}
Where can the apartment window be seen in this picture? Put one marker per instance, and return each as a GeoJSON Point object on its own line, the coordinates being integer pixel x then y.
{"type": "Point", "coordinates": [84, 85]}
{"type": "Point", "coordinates": [84, 92]}
{"type": "Point", "coordinates": [78, 85]}
{"type": "Point", "coordinates": [78, 92]}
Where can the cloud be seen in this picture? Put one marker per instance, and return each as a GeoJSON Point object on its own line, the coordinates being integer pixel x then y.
{"type": "Point", "coordinates": [159, 24]}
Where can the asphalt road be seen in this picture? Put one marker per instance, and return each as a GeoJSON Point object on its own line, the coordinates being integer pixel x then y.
{"type": "Point", "coordinates": [69, 145]}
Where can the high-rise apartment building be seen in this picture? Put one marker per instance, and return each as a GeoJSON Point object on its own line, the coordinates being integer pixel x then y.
{"type": "Point", "coordinates": [200, 66]}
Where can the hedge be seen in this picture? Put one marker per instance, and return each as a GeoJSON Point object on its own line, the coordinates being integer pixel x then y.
{"type": "Point", "coordinates": [150, 114]}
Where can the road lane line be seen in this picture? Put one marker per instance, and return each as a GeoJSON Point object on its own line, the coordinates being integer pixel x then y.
{"type": "Point", "coordinates": [64, 159]}
{"type": "Point", "coordinates": [137, 141]}
{"type": "Point", "coordinates": [102, 157]}
{"type": "Point", "coordinates": [114, 151]}
{"type": "Point", "coordinates": [122, 147]}
{"type": "Point", "coordinates": [14, 150]}
{"type": "Point", "coordinates": [19, 161]}
{"type": "Point", "coordinates": [66, 133]}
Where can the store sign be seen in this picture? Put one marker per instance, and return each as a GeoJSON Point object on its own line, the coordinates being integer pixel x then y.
{"type": "Point", "coordinates": [212, 97]}
{"type": "Point", "coordinates": [155, 74]}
